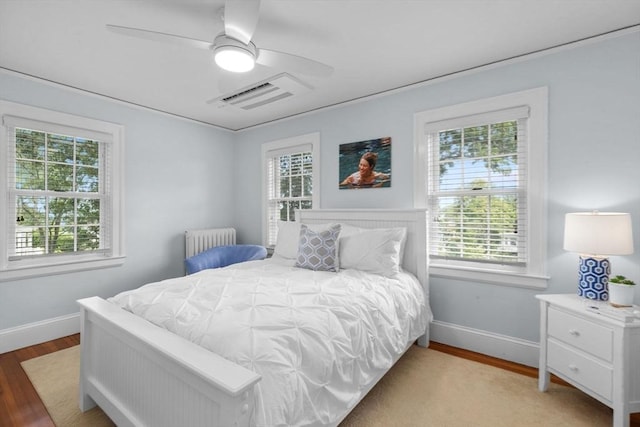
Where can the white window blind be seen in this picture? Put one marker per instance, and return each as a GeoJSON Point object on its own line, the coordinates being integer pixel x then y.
{"type": "Point", "coordinates": [290, 167]}
{"type": "Point", "coordinates": [61, 179]}
{"type": "Point", "coordinates": [478, 187]}
{"type": "Point", "coordinates": [58, 190]}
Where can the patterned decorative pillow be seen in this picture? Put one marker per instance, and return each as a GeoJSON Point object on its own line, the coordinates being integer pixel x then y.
{"type": "Point", "coordinates": [289, 238]}
{"type": "Point", "coordinates": [318, 250]}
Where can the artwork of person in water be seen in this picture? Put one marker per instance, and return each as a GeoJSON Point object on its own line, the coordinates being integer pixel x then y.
{"type": "Point", "coordinates": [372, 160]}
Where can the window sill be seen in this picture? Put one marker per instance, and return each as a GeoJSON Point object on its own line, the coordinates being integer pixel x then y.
{"type": "Point", "coordinates": [28, 271]}
{"type": "Point", "coordinates": [516, 280]}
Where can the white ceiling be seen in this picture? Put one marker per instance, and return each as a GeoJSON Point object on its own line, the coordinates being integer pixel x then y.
{"type": "Point", "coordinates": [374, 45]}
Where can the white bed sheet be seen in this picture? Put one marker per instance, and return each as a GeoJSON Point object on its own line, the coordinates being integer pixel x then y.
{"type": "Point", "coordinates": [318, 339]}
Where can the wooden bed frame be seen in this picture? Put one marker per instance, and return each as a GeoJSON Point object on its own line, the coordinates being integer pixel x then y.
{"type": "Point", "coordinates": [143, 375]}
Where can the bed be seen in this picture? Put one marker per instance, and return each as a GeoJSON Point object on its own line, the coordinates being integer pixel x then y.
{"type": "Point", "coordinates": [210, 352]}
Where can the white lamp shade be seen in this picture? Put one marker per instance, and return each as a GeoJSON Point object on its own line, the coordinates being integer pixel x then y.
{"type": "Point", "coordinates": [598, 233]}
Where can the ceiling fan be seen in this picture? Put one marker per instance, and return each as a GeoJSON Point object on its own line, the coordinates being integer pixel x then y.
{"type": "Point", "coordinates": [233, 48]}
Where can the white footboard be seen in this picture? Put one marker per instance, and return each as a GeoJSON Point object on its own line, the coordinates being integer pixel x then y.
{"type": "Point", "coordinates": [142, 375]}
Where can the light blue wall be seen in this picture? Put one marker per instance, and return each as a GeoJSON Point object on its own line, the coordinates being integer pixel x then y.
{"type": "Point", "coordinates": [176, 178]}
{"type": "Point", "coordinates": [181, 175]}
{"type": "Point", "coordinates": [594, 156]}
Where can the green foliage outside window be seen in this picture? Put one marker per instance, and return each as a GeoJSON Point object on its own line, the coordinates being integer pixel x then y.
{"type": "Point", "coordinates": [57, 183]}
{"type": "Point", "coordinates": [295, 174]}
{"type": "Point", "coordinates": [477, 201]}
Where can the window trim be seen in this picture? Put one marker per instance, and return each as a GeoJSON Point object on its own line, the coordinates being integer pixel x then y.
{"type": "Point", "coordinates": [284, 146]}
{"type": "Point", "coordinates": [534, 275]}
{"type": "Point", "coordinates": [35, 267]}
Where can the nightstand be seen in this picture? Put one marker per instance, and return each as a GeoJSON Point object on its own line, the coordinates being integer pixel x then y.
{"type": "Point", "coordinates": [597, 353]}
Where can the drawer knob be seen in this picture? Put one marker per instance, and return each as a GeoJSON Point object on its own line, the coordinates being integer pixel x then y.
{"type": "Point", "coordinates": [573, 367]}
{"type": "Point", "coordinates": [574, 332]}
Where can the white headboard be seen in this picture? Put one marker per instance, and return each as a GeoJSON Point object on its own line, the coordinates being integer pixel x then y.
{"type": "Point", "coordinates": [414, 220]}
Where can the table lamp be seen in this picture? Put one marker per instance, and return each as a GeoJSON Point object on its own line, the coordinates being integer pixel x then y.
{"type": "Point", "coordinates": [596, 235]}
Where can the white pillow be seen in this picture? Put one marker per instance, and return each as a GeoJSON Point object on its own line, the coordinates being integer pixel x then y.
{"type": "Point", "coordinates": [374, 250]}
{"type": "Point", "coordinates": [289, 237]}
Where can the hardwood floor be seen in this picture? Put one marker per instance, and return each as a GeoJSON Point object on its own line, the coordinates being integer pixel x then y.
{"type": "Point", "coordinates": [20, 405]}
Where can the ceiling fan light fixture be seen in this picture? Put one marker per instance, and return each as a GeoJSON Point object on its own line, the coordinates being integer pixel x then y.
{"type": "Point", "coordinates": [233, 55]}
{"type": "Point", "coordinates": [234, 59]}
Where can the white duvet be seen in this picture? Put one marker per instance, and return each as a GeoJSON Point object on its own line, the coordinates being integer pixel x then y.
{"type": "Point", "coordinates": [318, 339]}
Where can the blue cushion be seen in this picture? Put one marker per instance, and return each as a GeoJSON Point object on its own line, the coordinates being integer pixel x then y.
{"type": "Point", "coordinates": [221, 256]}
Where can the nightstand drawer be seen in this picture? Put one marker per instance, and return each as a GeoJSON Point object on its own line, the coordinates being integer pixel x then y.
{"type": "Point", "coordinates": [583, 334]}
{"type": "Point", "coordinates": [580, 369]}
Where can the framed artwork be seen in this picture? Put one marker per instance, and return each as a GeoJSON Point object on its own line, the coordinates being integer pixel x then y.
{"type": "Point", "coordinates": [365, 164]}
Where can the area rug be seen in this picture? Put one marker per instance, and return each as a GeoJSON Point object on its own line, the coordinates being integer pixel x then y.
{"type": "Point", "coordinates": [55, 377]}
{"type": "Point", "coordinates": [425, 388]}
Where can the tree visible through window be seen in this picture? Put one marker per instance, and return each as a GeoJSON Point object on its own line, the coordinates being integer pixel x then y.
{"type": "Point", "coordinates": [296, 185]}
{"type": "Point", "coordinates": [477, 197]}
{"type": "Point", "coordinates": [57, 193]}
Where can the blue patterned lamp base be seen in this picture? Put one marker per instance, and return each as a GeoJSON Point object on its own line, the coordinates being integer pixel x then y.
{"type": "Point", "coordinates": [594, 278]}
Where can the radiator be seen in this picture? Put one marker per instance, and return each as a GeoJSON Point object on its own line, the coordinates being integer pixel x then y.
{"type": "Point", "coordinates": [197, 241]}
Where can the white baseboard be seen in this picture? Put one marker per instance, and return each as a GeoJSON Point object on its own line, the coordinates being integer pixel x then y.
{"type": "Point", "coordinates": [491, 344]}
{"type": "Point", "coordinates": [39, 332]}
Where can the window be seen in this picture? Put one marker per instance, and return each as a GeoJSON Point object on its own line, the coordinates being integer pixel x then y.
{"type": "Point", "coordinates": [61, 180]}
{"type": "Point", "coordinates": [481, 171]}
{"type": "Point", "coordinates": [290, 169]}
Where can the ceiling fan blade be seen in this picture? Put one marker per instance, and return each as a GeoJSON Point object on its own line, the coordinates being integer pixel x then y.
{"type": "Point", "coordinates": [158, 36]}
{"type": "Point", "coordinates": [241, 19]}
{"type": "Point", "coordinates": [293, 63]}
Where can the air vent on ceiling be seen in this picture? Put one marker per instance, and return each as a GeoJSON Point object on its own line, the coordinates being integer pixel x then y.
{"type": "Point", "coordinates": [263, 93]}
